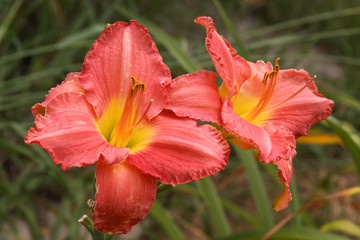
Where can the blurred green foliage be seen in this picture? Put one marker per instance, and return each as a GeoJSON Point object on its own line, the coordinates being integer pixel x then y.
{"type": "Point", "coordinates": [43, 40]}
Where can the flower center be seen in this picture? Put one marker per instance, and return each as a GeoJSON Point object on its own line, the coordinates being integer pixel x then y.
{"type": "Point", "coordinates": [268, 87]}
{"type": "Point", "coordinates": [123, 123]}
{"type": "Point", "coordinates": [257, 108]}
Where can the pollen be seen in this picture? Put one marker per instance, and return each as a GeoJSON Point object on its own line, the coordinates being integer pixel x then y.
{"type": "Point", "coordinates": [136, 86]}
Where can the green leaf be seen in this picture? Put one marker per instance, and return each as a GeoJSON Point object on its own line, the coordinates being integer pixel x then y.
{"type": "Point", "coordinates": [9, 17]}
{"type": "Point", "coordinates": [291, 233]}
{"type": "Point", "coordinates": [230, 206]}
{"type": "Point", "coordinates": [350, 138]}
{"type": "Point", "coordinates": [30, 219]}
{"type": "Point", "coordinates": [212, 199]}
{"type": "Point", "coordinates": [166, 222]}
{"type": "Point", "coordinates": [278, 41]}
{"type": "Point", "coordinates": [257, 187]}
{"type": "Point", "coordinates": [75, 40]}
{"type": "Point", "coordinates": [343, 225]}
{"type": "Point", "coordinates": [344, 98]}
{"type": "Point", "coordinates": [241, 48]}
{"type": "Point", "coordinates": [304, 20]}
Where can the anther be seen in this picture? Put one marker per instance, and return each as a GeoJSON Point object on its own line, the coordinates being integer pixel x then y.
{"type": "Point", "coordinates": [273, 73]}
{"type": "Point", "coordinates": [136, 86]}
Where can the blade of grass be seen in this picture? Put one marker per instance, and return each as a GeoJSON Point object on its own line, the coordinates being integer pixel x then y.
{"type": "Point", "coordinates": [149, 231]}
{"type": "Point", "coordinates": [166, 222]}
{"type": "Point", "coordinates": [235, 209]}
{"type": "Point", "coordinates": [75, 40]}
{"type": "Point", "coordinates": [257, 187]}
{"type": "Point", "coordinates": [303, 20]}
{"type": "Point", "coordinates": [349, 137]}
{"type": "Point", "coordinates": [295, 203]}
{"type": "Point", "coordinates": [210, 195]}
{"type": "Point", "coordinates": [230, 206]}
{"type": "Point", "coordinates": [162, 37]}
{"type": "Point", "coordinates": [269, 42]}
{"type": "Point", "coordinates": [240, 46]}
{"type": "Point", "coordinates": [314, 58]}
{"type": "Point", "coordinates": [60, 217]}
{"type": "Point", "coordinates": [43, 157]}
{"type": "Point", "coordinates": [344, 98]}
{"type": "Point", "coordinates": [316, 202]}
{"type": "Point", "coordinates": [9, 17]}
{"type": "Point", "coordinates": [30, 219]}
{"type": "Point", "coordinates": [342, 225]}
{"type": "Point", "coordinates": [290, 233]}
{"type": "Point", "coordinates": [24, 81]}
{"type": "Point", "coordinates": [23, 100]}
{"type": "Point", "coordinates": [14, 229]}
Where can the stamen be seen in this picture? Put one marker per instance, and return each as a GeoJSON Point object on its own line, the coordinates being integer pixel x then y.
{"type": "Point", "coordinates": [136, 86]}
{"type": "Point", "coordinates": [293, 95]}
{"type": "Point", "coordinates": [147, 109]}
{"type": "Point", "coordinates": [129, 119]}
{"type": "Point", "coordinates": [129, 131]}
{"type": "Point", "coordinates": [266, 92]}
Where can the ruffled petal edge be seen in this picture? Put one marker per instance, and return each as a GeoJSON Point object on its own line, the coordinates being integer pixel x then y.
{"type": "Point", "coordinates": [195, 95]}
{"type": "Point", "coordinates": [180, 151]}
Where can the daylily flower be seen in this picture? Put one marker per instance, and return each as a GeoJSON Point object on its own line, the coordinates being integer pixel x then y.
{"type": "Point", "coordinates": [112, 114]}
{"type": "Point", "coordinates": [257, 105]}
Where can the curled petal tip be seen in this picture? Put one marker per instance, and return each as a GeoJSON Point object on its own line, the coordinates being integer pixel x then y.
{"type": "Point", "coordinates": [285, 175]}
{"type": "Point", "coordinates": [206, 22]}
{"type": "Point", "coordinates": [282, 201]}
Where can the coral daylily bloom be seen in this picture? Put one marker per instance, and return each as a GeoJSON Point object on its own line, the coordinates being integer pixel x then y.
{"type": "Point", "coordinates": [112, 114]}
{"type": "Point", "coordinates": [257, 105]}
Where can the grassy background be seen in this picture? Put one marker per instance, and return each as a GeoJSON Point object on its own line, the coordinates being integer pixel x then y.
{"type": "Point", "coordinates": [42, 40]}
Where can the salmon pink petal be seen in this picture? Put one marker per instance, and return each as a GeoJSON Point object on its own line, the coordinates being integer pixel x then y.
{"type": "Point", "coordinates": [70, 84]}
{"type": "Point", "coordinates": [68, 133]}
{"type": "Point", "coordinates": [285, 176]}
{"type": "Point", "coordinates": [253, 86]}
{"type": "Point", "coordinates": [180, 151]}
{"type": "Point", "coordinates": [273, 143]}
{"type": "Point", "coordinates": [283, 142]}
{"type": "Point", "coordinates": [302, 110]}
{"type": "Point", "coordinates": [124, 197]}
{"type": "Point", "coordinates": [124, 52]}
{"type": "Point", "coordinates": [233, 69]}
{"type": "Point", "coordinates": [196, 96]}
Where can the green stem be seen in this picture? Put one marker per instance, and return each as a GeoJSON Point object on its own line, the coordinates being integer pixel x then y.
{"type": "Point", "coordinates": [213, 201]}
{"type": "Point", "coordinates": [89, 225]}
{"type": "Point", "coordinates": [257, 187]}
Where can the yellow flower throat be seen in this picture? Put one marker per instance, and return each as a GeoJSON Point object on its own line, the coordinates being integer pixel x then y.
{"type": "Point", "coordinates": [123, 122]}
{"type": "Point", "coordinates": [257, 108]}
